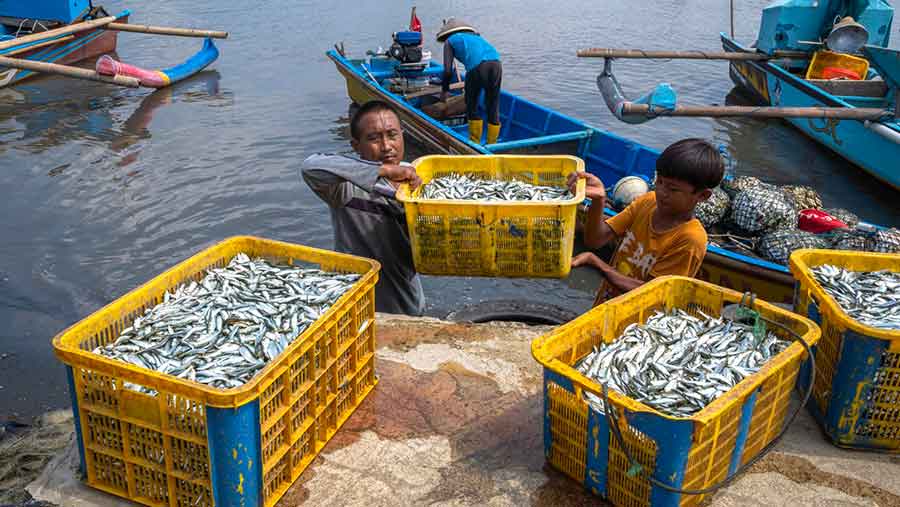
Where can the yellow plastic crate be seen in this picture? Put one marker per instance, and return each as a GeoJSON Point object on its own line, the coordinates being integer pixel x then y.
{"type": "Point", "coordinates": [688, 453]}
{"type": "Point", "coordinates": [856, 395]}
{"type": "Point", "coordinates": [823, 59]}
{"type": "Point", "coordinates": [195, 445]}
{"type": "Point", "coordinates": [503, 239]}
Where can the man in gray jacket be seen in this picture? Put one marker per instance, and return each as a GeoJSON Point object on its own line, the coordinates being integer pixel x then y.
{"type": "Point", "coordinates": [366, 219]}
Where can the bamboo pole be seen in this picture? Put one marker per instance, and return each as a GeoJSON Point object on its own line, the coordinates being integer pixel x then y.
{"type": "Point", "coordinates": [68, 71]}
{"type": "Point", "coordinates": [68, 29]}
{"type": "Point", "coordinates": [60, 40]}
{"type": "Point", "coordinates": [838, 113]}
{"type": "Point", "coordinates": [165, 30]}
{"type": "Point", "coordinates": [689, 55]}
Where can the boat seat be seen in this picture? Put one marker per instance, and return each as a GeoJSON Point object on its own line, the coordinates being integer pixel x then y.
{"type": "Point", "coordinates": [537, 141]}
{"type": "Point", "coordinates": [848, 88]}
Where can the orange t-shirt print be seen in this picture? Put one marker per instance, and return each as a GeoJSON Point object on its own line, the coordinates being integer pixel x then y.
{"type": "Point", "coordinates": [645, 253]}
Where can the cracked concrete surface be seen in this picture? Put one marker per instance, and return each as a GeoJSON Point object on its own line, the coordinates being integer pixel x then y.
{"type": "Point", "coordinates": [457, 420]}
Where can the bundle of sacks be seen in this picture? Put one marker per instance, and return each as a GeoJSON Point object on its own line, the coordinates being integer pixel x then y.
{"type": "Point", "coordinates": [784, 219]}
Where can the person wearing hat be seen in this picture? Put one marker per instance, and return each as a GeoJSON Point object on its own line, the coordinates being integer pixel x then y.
{"type": "Point", "coordinates": [483, 72]}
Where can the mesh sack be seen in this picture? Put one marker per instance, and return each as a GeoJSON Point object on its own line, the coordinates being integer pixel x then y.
{"type": "Point", "coordinates": [778, 245]}
{"type": "Point", "coordinates": [843, 215]}
{"type": "Point", "coordinates": [804, 197]}
{"type": "Point", "coordinates": [762, 209]}
{"type": "Point", "coordinates": [849, 239]}
{"type": "Point", "coordinates": [886, 241]}
{"type": "Point", "coordinates": [711, 211]}
{"type": "Point", "coordinates": [738, 184]}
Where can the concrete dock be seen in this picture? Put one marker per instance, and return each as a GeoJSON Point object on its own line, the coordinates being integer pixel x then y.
{"type": "Point", "coordinates": [456, 419]}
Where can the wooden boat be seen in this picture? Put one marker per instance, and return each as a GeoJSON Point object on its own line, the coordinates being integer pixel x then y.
{"type": "Point", "coordinates": [47, 36]}
{"type": "Point", "coordinates": [872, 145]}
{"type": "Point", "coordinates": [530, 128]}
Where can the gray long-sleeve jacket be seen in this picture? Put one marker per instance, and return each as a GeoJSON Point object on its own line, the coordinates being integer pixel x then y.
{"type": "Point", "coordinates": [368, 224]}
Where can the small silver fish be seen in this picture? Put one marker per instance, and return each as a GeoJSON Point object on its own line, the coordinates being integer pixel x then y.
{"type": "Point", "coordinates": [677, 362]}
{"type": "Point", "coordinates": [224, 329]}
{"type": "Point", "coordinates": [465, 187]}
{"type": "Point", "coordinates": [871, 298]}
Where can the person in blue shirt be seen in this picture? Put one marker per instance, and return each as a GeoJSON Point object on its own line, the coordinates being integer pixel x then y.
{"type": "Point", "coordinates": [483, 72]}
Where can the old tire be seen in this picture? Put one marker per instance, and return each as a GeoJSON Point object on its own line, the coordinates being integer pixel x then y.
{"type": "Point", "coordinates": [513, 310]}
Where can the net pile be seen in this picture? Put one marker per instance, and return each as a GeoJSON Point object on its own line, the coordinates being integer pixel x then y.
{"type": "Point", "coordinates": [763, 209]}
{"type": "Point", "coordinates": [752, 217]}
{"type": "Point", "coordinates": [803, 197]}
{"type": "Point", "coordinates": [777, 246]}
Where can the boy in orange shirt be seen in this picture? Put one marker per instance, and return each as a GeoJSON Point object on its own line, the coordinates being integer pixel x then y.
{"type": "Point", "coordinates": [658, 232]}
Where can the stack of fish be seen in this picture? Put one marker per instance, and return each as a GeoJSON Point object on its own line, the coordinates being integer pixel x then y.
{"type": "Point", "coordinates": [678, 363]}
{"type": "Point", "coordinates": [225, 329]}
{"type": "Point", "coordinates": [464, 187]}
{"type": "Point", "coordinates": [871, 298]}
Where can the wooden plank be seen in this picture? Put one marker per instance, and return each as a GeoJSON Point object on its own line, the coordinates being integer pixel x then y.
{"type": "Point", "coordinates": [843, 113]}
{"type": "Point", "coordinates": [66, 30]}
{"type": "Point", "coordinates": [454, 106]}
{"type": "Point", "coordinates": [867, 88]}
{"type": "Point", "coordinates": [431, 90]}
{"type": "Point", "coordinates": [65, 70]}
{"type": "Point", "coordinates": [165, 30]}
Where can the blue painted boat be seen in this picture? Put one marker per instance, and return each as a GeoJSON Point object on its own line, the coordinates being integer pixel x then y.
{"type": "Point", "coordinates": [789, 25]}
{"type": "Point", "coordinates": [42, 25]}
{"type": "Point", "coordinates": [529, 128]}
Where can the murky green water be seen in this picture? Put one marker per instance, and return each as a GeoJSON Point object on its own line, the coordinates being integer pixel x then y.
{"type": "Point", "coordinates": [105, 187]}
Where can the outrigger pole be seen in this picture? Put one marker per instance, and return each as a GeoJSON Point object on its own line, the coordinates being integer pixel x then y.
{"type": "Point", "coordinates": [68, 71]}
{"type": "Point", "coordinates": [57, 35]}
{"type": "Point", "coordinates": [662, 101]}
{"type": "Point", "coordinates": [165, 30]}
{"type": "Point", "coordinates": [687, 55]}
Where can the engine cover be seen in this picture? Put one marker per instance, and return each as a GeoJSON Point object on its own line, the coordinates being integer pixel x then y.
{"type": "Point", "coordinates": [407, 47]}
{"type": "Point", "coordinates": [405, 54]}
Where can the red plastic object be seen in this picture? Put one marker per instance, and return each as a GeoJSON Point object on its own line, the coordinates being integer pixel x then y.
{"type": "Point", "coordinates": [837, 73]}
{"type": "Point", "coordinates": [108, 66]}
{"type": "Point", "coordinates": [816, 221]}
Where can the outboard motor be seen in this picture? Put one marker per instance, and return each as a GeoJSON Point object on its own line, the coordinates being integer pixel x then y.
{"type": "Point", "coordinates": [407, 47]}
{"type": "Point", "coordinates": [409, 61]}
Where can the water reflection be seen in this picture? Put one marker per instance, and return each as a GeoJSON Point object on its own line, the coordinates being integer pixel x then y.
{"type": "Point", "coordinates": [203, 87]}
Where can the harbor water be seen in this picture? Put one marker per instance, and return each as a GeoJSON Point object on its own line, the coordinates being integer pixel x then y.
{"type": "Point", "coordinates": [105, 187]}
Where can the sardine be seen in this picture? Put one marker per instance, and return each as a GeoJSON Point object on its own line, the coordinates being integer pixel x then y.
{"type": "Point", "coordinates": [224, 329]}
{"type": "Point", "coordinates": [464, 187]}
{"type": "Point", "coordinates": [871, 298]}
{"type": "Point", "coordinates": [676, 362]}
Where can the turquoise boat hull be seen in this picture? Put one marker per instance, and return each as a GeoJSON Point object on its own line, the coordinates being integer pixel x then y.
{"type": "Point", "coordinates": [872, 146]}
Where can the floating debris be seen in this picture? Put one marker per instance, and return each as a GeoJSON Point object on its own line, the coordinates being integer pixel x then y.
{"type": "Point", "coordinates": [677, 363]}
{"type": "Point", "coordinates": [777, 246]}
{"type": "Point", "coordinates": [804, 197]}
{"type": "Point", "coordinates": [871, 298]}
{"type": "Point", "coordinates": [711, 211]}
{"type": "Point", "coordinates": [763, 209]}
{"type": "Point", "coordinates": [225, 329]}
{"type": "Point", "coordinates": [463, 187]}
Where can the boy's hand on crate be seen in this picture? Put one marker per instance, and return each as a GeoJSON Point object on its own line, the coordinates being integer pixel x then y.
{"type": "Point", "coordinates": [399, 174]}
{"type": "Point", "coordinates": [587, 259]}
{"type": "Point", "coordinates": [593, 187]}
